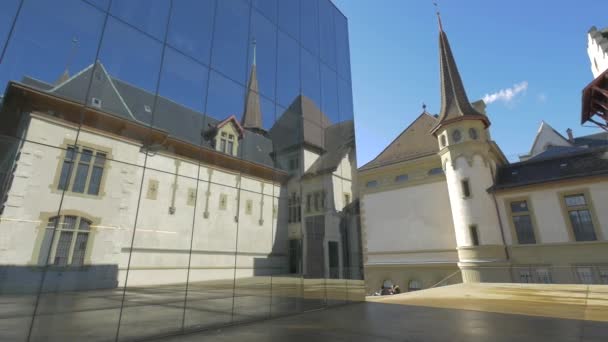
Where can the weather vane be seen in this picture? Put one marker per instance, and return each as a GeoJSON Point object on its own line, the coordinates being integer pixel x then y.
{"type": "Point", "coordinates": [438, 14]}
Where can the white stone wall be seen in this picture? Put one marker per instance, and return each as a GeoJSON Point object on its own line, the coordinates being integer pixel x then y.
{"type": "Point", "coordinates": [162, 241]}
{"type": "Point", "coordinates": [410, 219]}
{"type": "Point", "coordinates": [546, 209]}
{"type": "Point", "coordinates": [479, 209]}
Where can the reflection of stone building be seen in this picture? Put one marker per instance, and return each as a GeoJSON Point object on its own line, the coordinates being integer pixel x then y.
{"type": "Point", "coordinates": [441, 203]}
{"type": "Point", "coordinates": [252, 194]}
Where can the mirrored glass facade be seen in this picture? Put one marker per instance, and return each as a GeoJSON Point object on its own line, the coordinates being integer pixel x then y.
{"type": "Point", "coordinates": [170, 166]}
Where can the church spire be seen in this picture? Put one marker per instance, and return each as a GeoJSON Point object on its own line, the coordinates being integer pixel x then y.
{"type": "Point", "coordinates": [66, 73]}
{"type": "Point", "coordinates": [455, 104]}
{"type": "Point", "coordinates": [252, 115]}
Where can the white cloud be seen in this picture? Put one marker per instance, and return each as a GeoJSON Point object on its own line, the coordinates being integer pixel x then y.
{"type": "Point", "coordinates": [506, 95]}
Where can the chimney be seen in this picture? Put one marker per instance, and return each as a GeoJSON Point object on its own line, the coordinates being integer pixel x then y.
{"type": "Point", "coordinates": [570, 135]}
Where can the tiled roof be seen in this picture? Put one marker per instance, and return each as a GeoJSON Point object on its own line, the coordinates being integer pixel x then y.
{"type": "Point", "coordinates": [414, 142]}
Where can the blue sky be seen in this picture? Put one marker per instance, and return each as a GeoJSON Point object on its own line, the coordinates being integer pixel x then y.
{"type": "Point", "coordinates": [497, 45]}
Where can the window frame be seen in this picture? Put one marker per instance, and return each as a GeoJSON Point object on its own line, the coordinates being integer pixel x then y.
{"type": "Point", "coordinates": [465, 188]}
{"type": "Point", "coordinates": [474, 238]}
{"type": "Point", "coordinates": [96, 151]}
{"type": "Point", "coordinates": [57, 229]}
{"type": "Point", "coordinates": [588, 206]}
{"type": "Point", "coordinates": [530, 212]}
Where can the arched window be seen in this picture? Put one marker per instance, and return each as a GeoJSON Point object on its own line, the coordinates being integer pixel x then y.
{"type": "Point", "coordinates": [65, 241]}
{"type": "Point", "coordinates": [414, 285]}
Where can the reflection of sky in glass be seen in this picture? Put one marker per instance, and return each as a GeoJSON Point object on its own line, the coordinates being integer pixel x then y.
{"type": "Point", "coordinates": [310, 26]}
{"type": "Point", "coordinates": [268, 8]}
{"type": "Point", "coordinates": [329, 94]}
{"type": "Point", "coordinates": [342, 45]}
{"type": "Point", "coordinates": [311, 80]}
{"type": "Point", "coordinates": [190, 29]}
{"type": "Point", "coordinates": [230, 39]}
{"type": "Point", "coordinates": [101, 4]}
{"type": "Point", "coordinates": [37, 51]}
{"type": "Point", "coordinates": [346, 100]}
{"type": "Point", "coordinates": [268, 116]}
{"type": "Point", "coordinates": [328, 33]}
{"type": "Point", "coordinates": [149, 16]}
{"type": "Point", "coordinates": [8, 8]}
{"type": "Point", "coordinates": [130, 55]}
{"type": "Point", "coordinates": [225, 97]}
{"type": "Point", "coordinates": [183, 80]}
{"type": "Point", "coordinates": [289, 17]}
{"type": "Point", "coordinates": [288, 73]}
{"type": "Point", "coordinates": [285, 68]}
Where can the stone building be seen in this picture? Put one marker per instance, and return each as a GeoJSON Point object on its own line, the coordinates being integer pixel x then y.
{"type": "Point", "coordinates": [441, 204]}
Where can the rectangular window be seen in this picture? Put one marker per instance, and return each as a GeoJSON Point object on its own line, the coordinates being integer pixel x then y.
{"type": "Point", "coordinates": [466, 190]}
{"type": "Point", "coordinates": [66, 169]}
{"type": "Point", "coordinates": [295, 209]}
{"type": "Point", "coordinates": [346, 199]}
{"type": "Point", "coordinates": [580, 217]}
{"type": "Point", "coordinates": [70, 241]}
{"type": "Point", "coordinates": [322, 194]}
{"type": "Point", "coordinates": [230, 148]}
{"type": "Point", "coordinates": [474, 235]}
{"type": "Point", "coordinates": [97, 173]}
{"type": "Point", "coordinates": [401, 178]}
{"type": "Point", "coordinates": [223, 145]}
{"type": "Point", "coordinates": [87, 170]}
{"type": "Point", "coordinates": [522, 222]}
{"type": "Point", "coordinates": [372, 184]}
{"type": "Point", "coordinates": [308, 202]}
{"type": "Point", "coordinates": [603, 276]}
{"type": "Point", "coordinates": [543, 275]}
{"type": "Point", "coordinates": [585, 275]}
{"type": "Point", "coordinates": [316, 201]}
{"type": "Point", "coordinates": [525, 276]}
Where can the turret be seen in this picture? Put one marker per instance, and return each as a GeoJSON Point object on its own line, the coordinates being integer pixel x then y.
{"type": "Point", "coordinates": [469, 159]}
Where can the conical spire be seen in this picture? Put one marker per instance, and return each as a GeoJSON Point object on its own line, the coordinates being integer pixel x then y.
{"type": "Point", "coordinates": [66, 73]}
{"type": "Point", "coordinates": [454, 101]}
{"type": "Point", "coordinates": [252, 115]}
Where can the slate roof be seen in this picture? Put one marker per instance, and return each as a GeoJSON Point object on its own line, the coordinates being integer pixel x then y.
{"type": "Point", "coordinates": [136, 104]}
{"type": "Point", "coordinates": [414, 142]}
{"type": "Point", "coordinates": [301, 123]}
{"type": "Point", "coordinates": [339, 141]}
{"type": "Point", "coordinates": [454, 101]}
{"type": "Point", "coordinates": [568, 165]}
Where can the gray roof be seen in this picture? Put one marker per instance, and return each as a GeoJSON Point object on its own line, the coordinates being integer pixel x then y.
{"type": "Point", "coordinates": [301, 123]}
{"type": "Point", "coordinates": [414, 142]}
{"type": "Point", "coordinates": [454, 100]}
{"type": "Point", "coordinates": [567, 165]}
{"type": "Point", "coordinates": [339, 141]}
{"type": "Point", "coordinates": [252, 115]}
{"type": "Point", "coordinates": [136, 104]}
{"type": "Point", "coordinates": [592, 140]}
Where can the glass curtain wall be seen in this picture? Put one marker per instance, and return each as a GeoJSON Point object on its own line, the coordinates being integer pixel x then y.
{"type": "Point", "coordinates": [168, 166]}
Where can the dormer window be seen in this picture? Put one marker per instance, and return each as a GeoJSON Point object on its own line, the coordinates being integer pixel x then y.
{"type": "Point", "coordinates": [226, 135]}
{"type": "Point", "coordinates": [147, 109]}
{"type": "Point", "coordinates": [95, 102]}
{"type": "Point", "coordinates": [227, 143]}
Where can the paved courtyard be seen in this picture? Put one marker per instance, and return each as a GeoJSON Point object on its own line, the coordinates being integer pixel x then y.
{"type": "Point", "coordinates": [463, 312]}
{"type": "Point", "coordinates": [387, 322]}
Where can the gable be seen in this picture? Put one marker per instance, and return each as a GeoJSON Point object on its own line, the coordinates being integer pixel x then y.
{"type": "Point", "coordinates": [546, 138]}
{"type": "Point", "coordinates": [415, 141]}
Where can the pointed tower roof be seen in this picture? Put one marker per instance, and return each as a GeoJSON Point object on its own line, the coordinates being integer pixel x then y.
{"type": "Point", "coordinates": [455, 104]}
{"type": "Point", "coordinates": [252, 115]}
